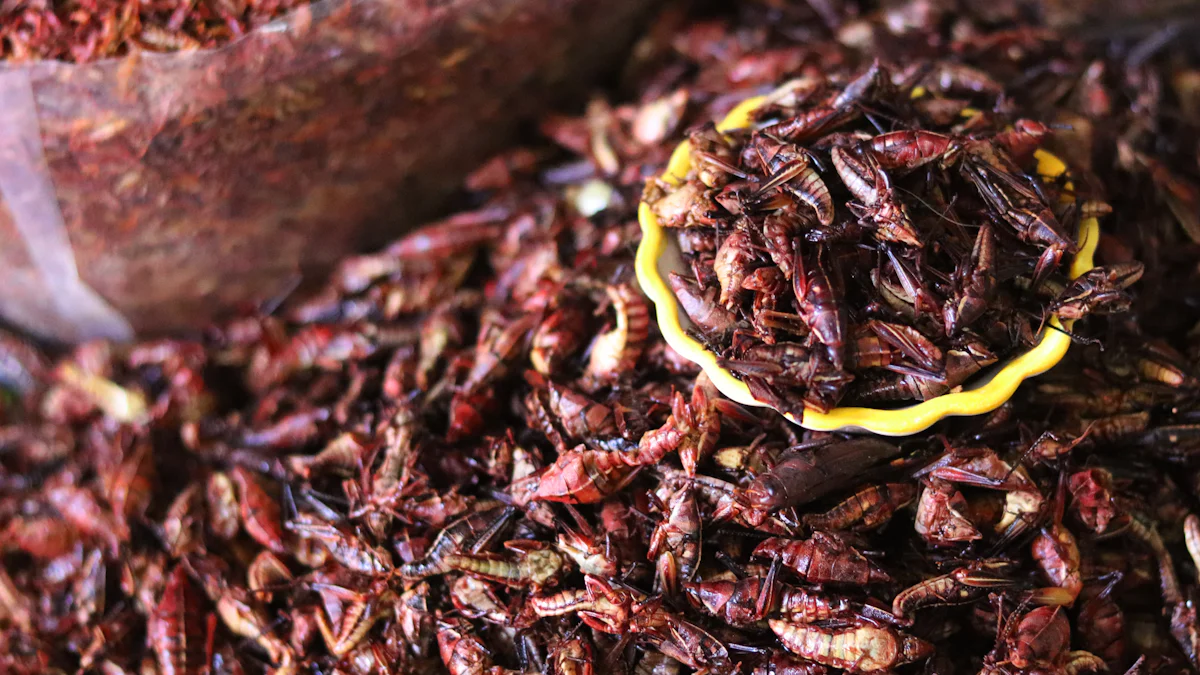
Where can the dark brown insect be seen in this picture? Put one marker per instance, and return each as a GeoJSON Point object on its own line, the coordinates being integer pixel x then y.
{"type": "Point", "coordinates": [808, 475]}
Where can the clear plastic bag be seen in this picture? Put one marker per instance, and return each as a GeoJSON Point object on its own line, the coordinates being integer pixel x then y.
{"type": "Point", "coordinates": [150, 193]}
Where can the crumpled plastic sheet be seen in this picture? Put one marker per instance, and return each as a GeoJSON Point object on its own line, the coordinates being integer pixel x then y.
{"type": "Point", "coordinates": [153, 192]}
{"type": "Point", "coordinates": [28, 192]}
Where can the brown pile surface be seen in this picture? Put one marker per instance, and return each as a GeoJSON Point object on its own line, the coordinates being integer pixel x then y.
{"type": "Point", "coordinates": [473, 453]}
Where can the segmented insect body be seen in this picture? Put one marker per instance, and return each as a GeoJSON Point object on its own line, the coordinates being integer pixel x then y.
{"type": "Point", "coordinates": [779, 231]}
{"type": "Point", "coordinates": [819, 307]}
{"type": "Point", "coordinates": [1017, 203]}
{"type": "Point", "coordinates": [557, 338]}
{"type": "Point", "coordinates": [981, 467]}
{"type": "Point", "coordinates": [675, 543]}
{"type": "Point", "coordinates": [807, 475]}
{"type": "Point", "coordinates": [619, 610]}
{"type": "Point", "coordinates": [748, 601]}
{"type": "Point", "coordinates": [475, 598]}
{"type": "Point", "coordinates": [260, 513]}
{"type": "Point", "coordinates": [951, 77]}
{"type": "Point", "coordinates": [699, 421]}
{"type": "Point", "coordinates": [963, 585]}
{"type": "Point", "coordinates": [1100, 625]}
{"type": "Point", "coordinates": [175, 629]}
{"type": "Point", "coordinates": [583, 476]}
{"type": "Point", "coordinates": [595, 609]}
{"type": "Point", "coordinates": [733, 263]}
{"type": "Point", "coordinates": [1022, 140]}
{"type": "Point", "coordinates": [346, 547]}
{"type": "Point", "coordinates": [572, 656]}
{"type": "Point", "coordinates": [1057, 553]}
{"type": "Point", "coordinates": [941, 515]}
{"type": "Point", "coordinates": [360, 614]}
{"type": "Point", "coordinates": [961, 364]}
{"type": "Point", "coordinates": [462, 651]}
{"type": "Point", "coordinates": [823, 558]}
{"type": "Point", "coordinates": [616, 352]}
{"type": "Point", "coordinates": [1100, 290]}
{"type": "Point", "coordinates": [1041, 640]}
{"type": "Point", "coordinates": [974, 283]}
{"type": "Point", "coordinates": [533, 564]}
{"type": "Point", "coordinates": [703, 307]}
{"type": "Point", "coordinates": [911, 149]}
{"type": "Point", "coordinates": [868, 508]}
{"type": "Point", "coordinates": [860, 649]}
{"type": "Point", "coordinates": [1185, 615]}
{"type": "Point", "coordinates": [871, 186]}
{"type": "Point", "coordinates": [469, 533]}
{"type": "Point", "coordinates": [591, 556]}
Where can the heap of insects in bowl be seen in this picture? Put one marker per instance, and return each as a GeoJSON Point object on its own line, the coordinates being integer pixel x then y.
{"type": "Point", "coordinates": [865, 243]}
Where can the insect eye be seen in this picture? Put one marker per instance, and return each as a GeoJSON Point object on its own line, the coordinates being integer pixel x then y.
{"type": "Point", "coordinates": [766, 492]}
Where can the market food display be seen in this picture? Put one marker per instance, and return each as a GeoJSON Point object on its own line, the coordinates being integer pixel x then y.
{"type": "Point", "coordinates": [471, 452]}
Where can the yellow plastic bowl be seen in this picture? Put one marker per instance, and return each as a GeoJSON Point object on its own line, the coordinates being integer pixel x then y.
{"type": "Point", "coordinates": [659, 254]}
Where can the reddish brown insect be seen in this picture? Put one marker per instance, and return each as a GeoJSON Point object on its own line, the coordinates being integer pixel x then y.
{"type": "Point", "coordinates": [699, 421]}
{"type": "Point", "coordinates": [463, 653]}
{"type": "Point", "coordinates": [961, 364]}
{"type": "Point", "coordinates": [821, 559]}
{"type": "Point", "coordinates": [346, 547]}
{"type": "Point", "coordinates": [469, 533]}
{"type": "Point", "coordinates": [582, 476]}
{"type": "Point", "coordinates": [974, 283]}
{"type": "Point", "coordinates": [675, 543]}
{"type": "Point", "coordinates": [963, 585]}
{"type": "Point", "coordinates": [747, 601]}
{"type": "Point", "coordinates": [980, 466]}
{"type": "Point", "coordinates": [1041, 640]}
{"type": "Point", "coordinates": [818, 305]}
{"type": "Point", "coordinates": [177, 629]}
{"type": "Point", "coordinates": [572, 656]}
{"type": "Point", "coordinates": [317, 346]}
{"type": "Point", "coordinates": [1101, 624]}
{"type": "Point", "coordinates": [260, 512]}
{"type": "Point", "coordinates": [1057, 553]}
{"type": "Point", "coordinates": [557, 338]}
{"type": "Point", "coordinates": [1185, 617]}
{"type": "Point", "coordinates": [733, 263]}
{"type": "Point", "coordinates": [1016, 203]}
{"type": "Point", "coordinates": [1023, 139]}
{"type": "Point", "coordinates": [1100, 290]}
{"type": "Point", "coordinates": [911, 149]}
{"type": "Point", "coordinates": [873, 189]}
{"type": "Point", "coordinates": [941, 515]}
{"type": "Point", "coordinates": [703, 306]}
{"type": "Point", "coordinates": [1092, 499]}
{"type": "Point", "coordinates": [868, 508]}
{"type": "Point", "coordinates": [615, 610]}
